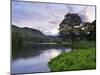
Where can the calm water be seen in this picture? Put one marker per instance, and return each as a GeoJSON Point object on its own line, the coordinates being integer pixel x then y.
{"type": "Point", "coordinates": [38, 63]}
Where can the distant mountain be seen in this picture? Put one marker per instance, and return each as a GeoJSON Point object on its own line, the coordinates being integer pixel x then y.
{"type": "Point", "coordinates": [27, 30]}
{"type": "Point", "coordinates": [30, 34]}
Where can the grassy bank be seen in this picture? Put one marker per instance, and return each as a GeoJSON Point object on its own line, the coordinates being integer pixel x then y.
{"type": "Point", "coordinates": [84, 45]}
{"type": "Point", "coordinates": [83, 57]}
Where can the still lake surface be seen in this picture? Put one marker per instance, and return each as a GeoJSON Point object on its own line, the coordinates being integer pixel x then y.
{"type": "Point", "coordinates": [37, 63]}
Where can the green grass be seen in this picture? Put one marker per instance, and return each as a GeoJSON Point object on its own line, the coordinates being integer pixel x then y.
{"type": "Point", "coordinates": [84, 44]}
{"type": "Point", "coordinates": [81, 58]}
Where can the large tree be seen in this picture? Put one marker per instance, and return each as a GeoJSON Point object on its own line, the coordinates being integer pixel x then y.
{"type": "Point", "coordinates": [69, 27]}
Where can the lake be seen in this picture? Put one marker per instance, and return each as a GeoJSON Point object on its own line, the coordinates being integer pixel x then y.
{"type": "Point", "coordinates": [30, 63]}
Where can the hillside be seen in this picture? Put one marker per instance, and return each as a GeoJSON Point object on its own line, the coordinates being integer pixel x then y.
{"type": "Point", "coordinates": [29, 34]}
{"type": "Point", "coordinates": [27, 38]}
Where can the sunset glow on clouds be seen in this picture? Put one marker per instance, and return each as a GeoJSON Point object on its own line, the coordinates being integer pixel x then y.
{"type": "Point", "coordinates": [46, 16]}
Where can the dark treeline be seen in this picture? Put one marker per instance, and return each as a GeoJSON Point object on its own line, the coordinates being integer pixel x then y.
{"type": "Point", "coordinates": [24, 36]}
{"type": "Point", "coordinates": [73, 28]}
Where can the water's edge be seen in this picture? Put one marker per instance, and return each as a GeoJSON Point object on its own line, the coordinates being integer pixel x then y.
{"type": "Point", "coordinates": [36, 64]}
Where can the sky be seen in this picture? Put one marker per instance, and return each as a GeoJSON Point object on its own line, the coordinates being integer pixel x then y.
{"type": "Point", "coordinates": [46, 17]}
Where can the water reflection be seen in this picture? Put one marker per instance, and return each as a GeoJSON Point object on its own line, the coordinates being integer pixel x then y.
{"type": "Point", "coordinates": [37, 63]}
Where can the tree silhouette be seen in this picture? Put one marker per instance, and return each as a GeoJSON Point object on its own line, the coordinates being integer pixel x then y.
{"type": "Point", "coordinates": [88, 30]}
{"type": "Point", "coordinates": [69, 27]}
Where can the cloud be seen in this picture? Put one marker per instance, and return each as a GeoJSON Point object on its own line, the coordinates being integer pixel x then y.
{"type": "Point", "coordinates": [46, 16]}
{"type": "Point", "coordinates": [88, 14]}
